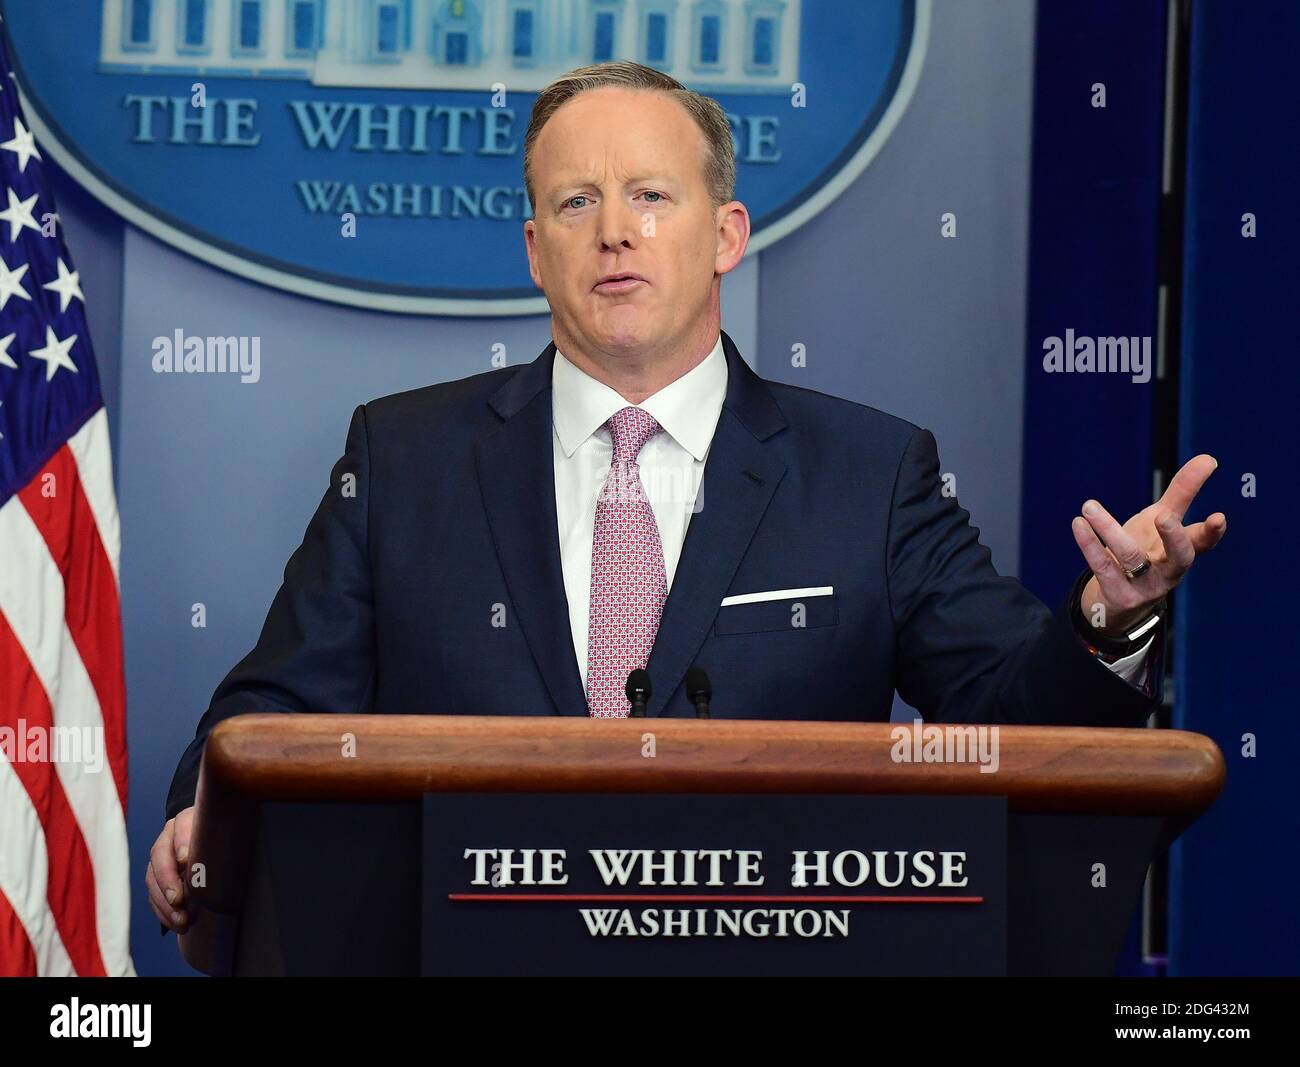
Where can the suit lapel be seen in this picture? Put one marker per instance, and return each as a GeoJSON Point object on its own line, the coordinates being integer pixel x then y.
{"type": "Point", "coordinates": [516, 472]}
{"type": "Point", "coordinates": [741, 474]}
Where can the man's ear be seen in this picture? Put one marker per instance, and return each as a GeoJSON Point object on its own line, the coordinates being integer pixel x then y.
{"type": "Point", "coordinates": [530, 242]}
{"type": "Point", "coordinates": [733, 236]}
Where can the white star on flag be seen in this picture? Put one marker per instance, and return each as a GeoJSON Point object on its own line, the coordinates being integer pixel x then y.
{"type": "Point", "coordinates": [6, 360]}
{"type": "Point", "coordinates": [67, 286]}
{"type": "Point", "coordinates": [23, 145]}
{"type": "Point", "coordinates": [55, 353]}
{"type": "Point", "coordinates": [11, 283]}
{"type": "Point", "coordinates": [19, 215]}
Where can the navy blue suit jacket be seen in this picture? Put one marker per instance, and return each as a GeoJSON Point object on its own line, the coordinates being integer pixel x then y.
{"type": "Point", "coordinates": [389, 604]}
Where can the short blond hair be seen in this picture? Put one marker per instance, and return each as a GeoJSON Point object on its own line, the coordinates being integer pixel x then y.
{"type": "Point", "coordinates": [720, 155]}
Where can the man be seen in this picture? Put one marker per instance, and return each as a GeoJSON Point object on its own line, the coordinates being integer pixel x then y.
{"type": "Point", "coordinates": [518, 541]}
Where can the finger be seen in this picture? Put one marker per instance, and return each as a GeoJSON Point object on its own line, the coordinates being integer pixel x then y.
{"type": "Point", "coordinates": [1184, 485]}
{"type": "Point", "coordinates": [163, 860]}
{"type": "Point", "coordinates": [181, 835]}
{"type": "Point", "coordinates": [1116, 589]}
{"type": "Point", "coordinates": [156, 899]}
{"type": "Point", "coordinates": [1114, 536]}
{"type": "Point", "coordinates": [1180, 554]}
{"type": "Point", "coordinates": [172, 918]}
{"type": "Point", "coordinates": [1205, 535]}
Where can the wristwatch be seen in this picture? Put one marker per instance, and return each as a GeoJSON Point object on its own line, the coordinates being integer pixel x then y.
{"type": "Point", "coordinates": [1112, 648]}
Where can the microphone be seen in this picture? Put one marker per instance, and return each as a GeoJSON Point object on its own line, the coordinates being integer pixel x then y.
{"type": "Point", "coordinates": [638, 691]}
{"type": "Point", "coordinates": [698, 691]}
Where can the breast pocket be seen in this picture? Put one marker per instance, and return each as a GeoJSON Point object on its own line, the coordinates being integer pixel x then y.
{"type": "Point", "coordinates": [794, 612]}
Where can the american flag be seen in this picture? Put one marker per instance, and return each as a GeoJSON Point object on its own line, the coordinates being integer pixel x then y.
{"type": "Point", "coordinates": [64, 879]}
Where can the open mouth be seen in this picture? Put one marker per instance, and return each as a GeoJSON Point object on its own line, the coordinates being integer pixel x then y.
{"type": "Point", "coordinates": [619, 283]}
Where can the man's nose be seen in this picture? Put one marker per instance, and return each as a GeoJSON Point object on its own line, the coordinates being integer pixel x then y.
{"type": "Point", "coordinates": [618, 225]}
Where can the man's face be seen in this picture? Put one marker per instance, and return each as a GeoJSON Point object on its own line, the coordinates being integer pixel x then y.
{"type": "Point", "coordinates": [619, 180]}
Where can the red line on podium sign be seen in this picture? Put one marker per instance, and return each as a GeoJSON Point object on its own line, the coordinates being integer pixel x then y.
{"type": "Point", "coordinates": [701, 898]}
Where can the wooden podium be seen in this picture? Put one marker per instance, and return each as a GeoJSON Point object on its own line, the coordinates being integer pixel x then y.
{"type": "Point", "coordinates": [286, 800]}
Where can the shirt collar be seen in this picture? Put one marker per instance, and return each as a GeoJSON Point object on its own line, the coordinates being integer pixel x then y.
{"type": "Point", "coordinates": [687, 408]}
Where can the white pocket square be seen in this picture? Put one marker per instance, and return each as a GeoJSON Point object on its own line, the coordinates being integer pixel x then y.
{"type": "Point", "coordinates": [778, 594]}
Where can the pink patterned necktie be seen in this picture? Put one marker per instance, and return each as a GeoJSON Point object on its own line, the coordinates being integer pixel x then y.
{"type": "Point", "coordinates": [628, 587]}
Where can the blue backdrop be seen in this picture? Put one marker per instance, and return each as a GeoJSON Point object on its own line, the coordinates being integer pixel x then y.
{"type": "Point", "coordinates": [1234, 874]}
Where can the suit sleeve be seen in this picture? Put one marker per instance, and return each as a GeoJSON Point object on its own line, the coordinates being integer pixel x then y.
{"type": "Point", "coordinates": [972, 646]}
{"type": "Point", "coordinates": [316, 650]}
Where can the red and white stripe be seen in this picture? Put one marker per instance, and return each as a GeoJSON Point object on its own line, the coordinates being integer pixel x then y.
{"type": "Point", "coordinates": [64, 865]}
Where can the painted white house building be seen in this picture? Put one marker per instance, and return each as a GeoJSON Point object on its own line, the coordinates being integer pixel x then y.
{"type": "Point", "coordinates": [747, 46]}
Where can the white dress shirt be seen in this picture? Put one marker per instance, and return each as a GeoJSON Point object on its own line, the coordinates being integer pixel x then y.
{"type": "Point", "coordinates": [671, 465]}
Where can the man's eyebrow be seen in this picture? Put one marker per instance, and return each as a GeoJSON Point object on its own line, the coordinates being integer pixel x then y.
{"type": "Point", "coordinates": [579, 182]}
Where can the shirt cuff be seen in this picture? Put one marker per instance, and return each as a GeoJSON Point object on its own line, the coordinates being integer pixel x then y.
{"type": "Point", "coordinates": [1132, 668]}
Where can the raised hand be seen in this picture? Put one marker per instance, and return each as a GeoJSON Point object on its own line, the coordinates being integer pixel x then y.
{"type": "Point", "coordinates": [1135, 565]}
